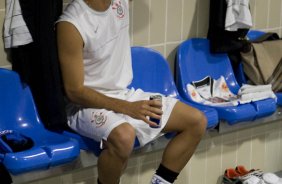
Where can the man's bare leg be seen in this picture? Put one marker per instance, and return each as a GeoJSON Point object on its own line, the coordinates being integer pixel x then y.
{"type": "Point", "coordinates": [113, 160]}
{"type": "Point", "coordinates": [190, 124]}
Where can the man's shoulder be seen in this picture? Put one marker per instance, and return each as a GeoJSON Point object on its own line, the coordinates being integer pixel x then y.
{"type": "Point", "coordinates": [74, 9]}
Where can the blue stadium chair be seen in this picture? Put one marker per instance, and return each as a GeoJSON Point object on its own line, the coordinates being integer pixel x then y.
{"type": "Point", "coordinates": [151, 73]}
{"type": "Point", "coordinates": [194, 62]}
{"type": "Point", "coordinates": [25, 144]}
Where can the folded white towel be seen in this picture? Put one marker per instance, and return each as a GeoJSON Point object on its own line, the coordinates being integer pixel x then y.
{"type": "Point", "coordinates": [250, 93]}
{"type": "Point", "coordinates": [246, 88]}
{"type": "Point", "coordinates": [256, 96]}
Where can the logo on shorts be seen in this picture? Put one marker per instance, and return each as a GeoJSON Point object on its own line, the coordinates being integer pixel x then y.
{"type": "Point", "coordinates": [98, 118]}
{"type": "Point", "coordinates": [119, 8]}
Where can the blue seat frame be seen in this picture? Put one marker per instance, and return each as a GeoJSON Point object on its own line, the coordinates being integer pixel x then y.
{"type": "Point", "coordinates": [240, 75]}
{"type": "Point", "coordinates": [18, 113]}
{"type": "Point", "coordinates": [194, 62]}
{"type": "Point", "coordinates": [151, 73]}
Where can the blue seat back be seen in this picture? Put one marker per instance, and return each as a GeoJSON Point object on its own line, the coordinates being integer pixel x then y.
{"type": "Point", "coordinates": [196, 62]}
{"type": "Point", "coordinates": [17, 107]}
{"type": "Point", "coordinates": [254, 34]}
{"type": "Point", "coordinates": [18, 115]}
{"type": "Point", "coordinates": [152, 72]}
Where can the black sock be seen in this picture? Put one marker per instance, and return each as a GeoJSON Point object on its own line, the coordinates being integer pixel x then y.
{"type": "Point", "coordinates": [166, 173]}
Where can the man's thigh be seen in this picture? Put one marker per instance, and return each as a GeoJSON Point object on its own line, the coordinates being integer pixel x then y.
{"type": "Point", "coordinates": [182, 116]}
{"type": "Point", "coordinates": [95, 123]}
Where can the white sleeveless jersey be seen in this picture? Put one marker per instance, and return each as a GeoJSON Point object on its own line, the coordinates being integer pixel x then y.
{"type": "Point", "coordinates": [106, 52]}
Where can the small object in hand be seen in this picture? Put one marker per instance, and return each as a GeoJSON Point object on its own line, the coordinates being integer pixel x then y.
{"type": "Point", "coordinates": [157, 121]}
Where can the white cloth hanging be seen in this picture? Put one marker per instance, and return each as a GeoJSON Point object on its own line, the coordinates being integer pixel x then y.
{"type": "Point", "coordinates": [16, 32]}
{"type": "Point", "coordinates": [238, 15]}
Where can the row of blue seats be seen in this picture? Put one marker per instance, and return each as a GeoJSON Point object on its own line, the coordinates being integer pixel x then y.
{"type": "Point", "coordinates": [26, 145]}
{"type": "Point", "coordinates": [19, 120]}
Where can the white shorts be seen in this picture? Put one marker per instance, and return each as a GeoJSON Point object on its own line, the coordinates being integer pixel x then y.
{"type": "Point", "coordinates": [98, 123]}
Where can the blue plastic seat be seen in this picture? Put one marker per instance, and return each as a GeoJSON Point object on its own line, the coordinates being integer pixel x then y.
{"type": "Point", "coordinates": [152, 73]}
{"type": "Point", "coordinates": [18, 115]}
{"type": "Point", "coordinates": [194, 62]}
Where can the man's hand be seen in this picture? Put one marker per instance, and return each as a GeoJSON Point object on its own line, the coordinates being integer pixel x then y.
{"type": "Point", "coordinates": [144, 109]}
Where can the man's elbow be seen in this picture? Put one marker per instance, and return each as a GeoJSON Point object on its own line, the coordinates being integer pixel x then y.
{"type": "Point", "coordinates": [74, 94]}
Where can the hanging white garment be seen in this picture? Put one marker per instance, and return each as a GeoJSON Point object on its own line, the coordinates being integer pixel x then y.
{"type": "Point", "coordinates": [238, 15]}
{"type": "Point", "coordinates": [16, 32]}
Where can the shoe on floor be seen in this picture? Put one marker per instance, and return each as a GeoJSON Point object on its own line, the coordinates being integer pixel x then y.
{"type": "Point", "coordinates": [271, 178]}
{"type": "Point", "coordinates": [253, 180]}
{"type": "Point", "coordinates": [231, 177]}
{"type": "Point", "coordinates": [243, 171]}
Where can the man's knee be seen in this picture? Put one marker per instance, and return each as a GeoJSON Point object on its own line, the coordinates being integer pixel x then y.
{"type": "Point", "coordinates": [121, 140]}
{"type": "Point", "coordinates": [199, 124]}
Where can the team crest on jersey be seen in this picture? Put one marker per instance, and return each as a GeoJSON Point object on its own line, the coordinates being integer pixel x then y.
{"type": "Point", "coordinates": [98, 118]}
{"type": "Point", "coordinates": [119, 8]}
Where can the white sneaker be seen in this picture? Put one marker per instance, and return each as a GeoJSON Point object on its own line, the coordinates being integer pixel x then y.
{"type": "Point", "coordinates": [253, 180]}
{"type": "Point", "coordinates": [271, 178]}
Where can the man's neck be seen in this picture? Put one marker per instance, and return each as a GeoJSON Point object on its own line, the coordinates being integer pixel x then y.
{"type": "Point", "coordinates": [98, 5]}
